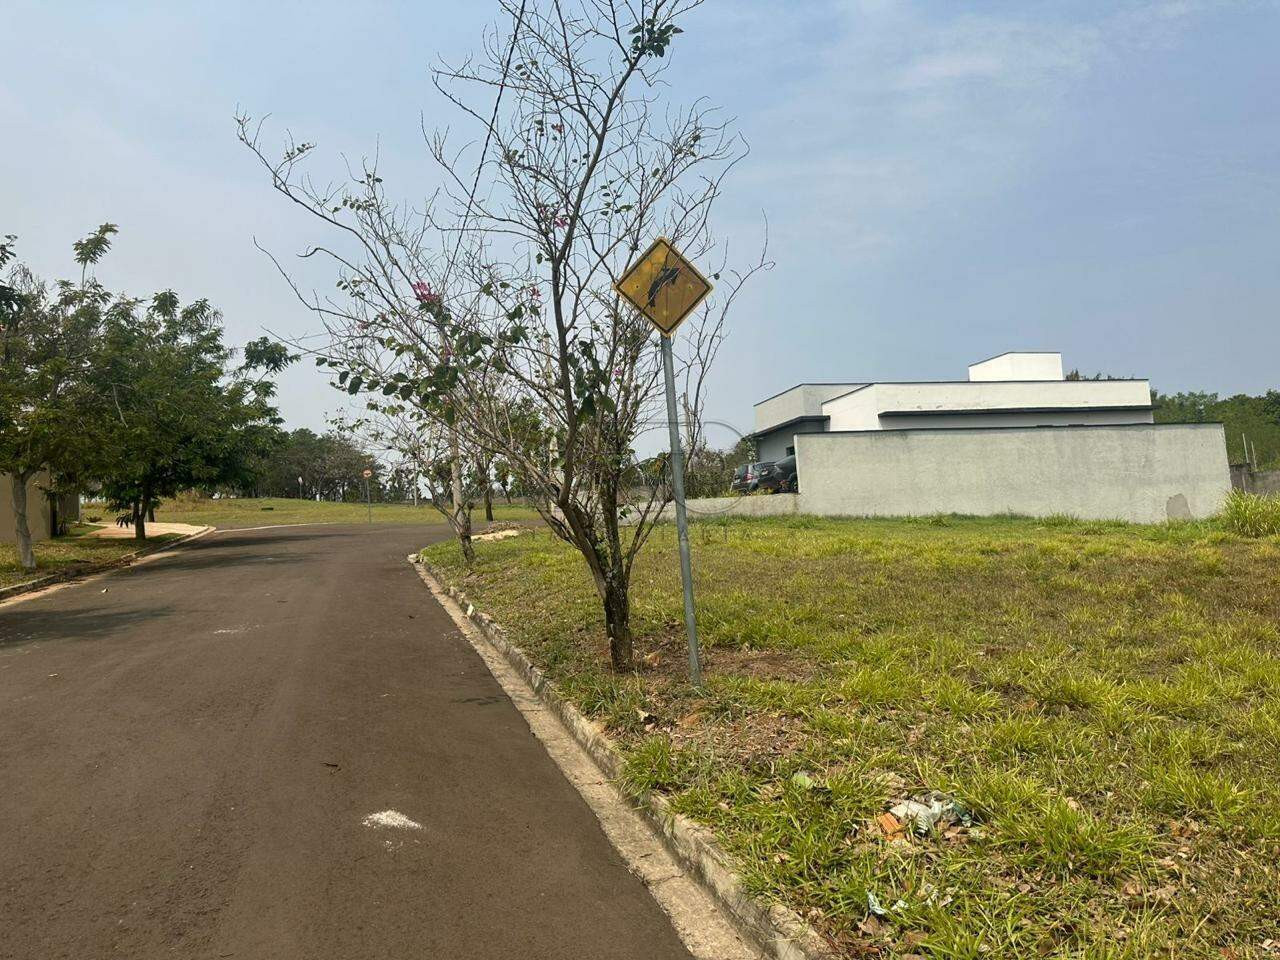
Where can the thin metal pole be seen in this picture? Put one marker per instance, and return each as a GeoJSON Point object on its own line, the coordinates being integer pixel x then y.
{"type": "Point", "coordinates": [682, 522]}
{"type": "Point", "coordinates": [367, 502]}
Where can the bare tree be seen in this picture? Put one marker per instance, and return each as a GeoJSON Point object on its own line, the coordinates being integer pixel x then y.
{"type": "Point", "coordinates": [427, 454]}
{"type": "Point", "coordinates": [492, 310]}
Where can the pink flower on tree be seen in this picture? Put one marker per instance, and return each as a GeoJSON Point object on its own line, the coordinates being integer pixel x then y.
{"type": "Point", "coordinates": [426, 296]}
{"type": "Point", "coordinates": [561, 221]}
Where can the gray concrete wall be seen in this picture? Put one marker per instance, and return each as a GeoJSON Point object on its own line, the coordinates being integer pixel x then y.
{"type": "Point", "coordinates": [1244, 477]}
{"type": "Point", "coordinates": [38, 512]}
{"type": "Point", "coordinates": [1145, 473]}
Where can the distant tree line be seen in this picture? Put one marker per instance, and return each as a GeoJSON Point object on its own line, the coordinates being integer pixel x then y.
{"type": "Point", "coordinates": [327, 466]}
{"type": "Point", "coordinates": [136, 398]}
{"type": "Point", "coordinates": [1255, 420]}
{"type": "Point", "coordinates": [1252, 424]}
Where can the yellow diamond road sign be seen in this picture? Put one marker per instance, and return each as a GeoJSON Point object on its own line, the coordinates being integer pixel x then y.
{"type": "Point", "coordinates": [664, 286]}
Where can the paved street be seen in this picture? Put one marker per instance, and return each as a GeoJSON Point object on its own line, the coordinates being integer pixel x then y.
{"type": "Point", "coordinates": [189, 758]}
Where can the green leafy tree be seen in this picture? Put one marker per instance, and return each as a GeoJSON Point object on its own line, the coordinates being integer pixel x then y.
{"type": "Point", "coordinates": [179, 414]}
{"type": "Point", "coordinates": [49, 338]}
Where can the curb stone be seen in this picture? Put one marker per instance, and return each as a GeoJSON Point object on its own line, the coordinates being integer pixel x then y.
{"type": "Point", "coordinates": [777, 930]}
{"type": "Point", "coordinates": [79, 573]}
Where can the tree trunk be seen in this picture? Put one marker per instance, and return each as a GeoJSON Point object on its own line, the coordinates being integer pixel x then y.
{"type": "Point", "coordinates": [139, 521]}
{"type": "Point", "coordinates": [488, 503]}
{"type": "Point", "coordinates": [617, 621]}
{"type": "Point", "coordinates": [22, 531]}
{"type": "Point", "coordinates": [461, 515]}
{"type": "Point", "coordinates": [151, 511]}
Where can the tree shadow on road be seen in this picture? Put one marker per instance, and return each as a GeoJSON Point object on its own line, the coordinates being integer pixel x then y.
{"type": "Point", "coordinates": [21, 625]}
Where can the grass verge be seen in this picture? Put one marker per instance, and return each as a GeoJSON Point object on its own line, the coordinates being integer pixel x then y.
{"type": "Point", "coordinates": [68, 553]}
{"type": "Point", "coordinates": [1103, 699]}
{"type": "Point", "coordinates": [268, 511]}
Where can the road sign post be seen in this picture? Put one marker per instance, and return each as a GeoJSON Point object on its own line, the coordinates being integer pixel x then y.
{"type": "Point", "coordinates": [682, 519]}
{"type": "Point", "coordinates": [666, 288]}
{"type": "Point", "coordinates": [367, 502]}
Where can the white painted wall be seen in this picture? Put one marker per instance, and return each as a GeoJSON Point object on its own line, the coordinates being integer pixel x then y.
{"type": "Point", "coordinates": [1027, 365]}
{"type": "Point", "coordinates": [804, 400]}
{"type": "Point", "coordinates": [1144, 473]}
{"type": "Point", "coordinates": [861, 409]}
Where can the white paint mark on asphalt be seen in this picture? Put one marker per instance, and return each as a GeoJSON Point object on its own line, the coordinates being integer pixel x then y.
{"type": "Point", "coordinates": [393, 819]}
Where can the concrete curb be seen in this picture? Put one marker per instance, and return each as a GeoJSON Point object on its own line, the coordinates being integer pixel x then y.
{"type": "Point", "coordinates": [80, 573]}
{"type": "Point", "coordinates": [776, 930]}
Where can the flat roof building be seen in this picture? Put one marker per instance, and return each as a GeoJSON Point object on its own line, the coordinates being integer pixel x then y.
{"type": "Point", "coordinates": [1015, 389]}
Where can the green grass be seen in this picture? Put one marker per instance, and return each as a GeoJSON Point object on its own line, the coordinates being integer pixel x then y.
{"type": "Point", "coordinates": [1104, 698]}
{"type": "Point", "coordinates": [247, 512]}
{"type": "Point", "coordinates": [66, 552]}
{"type": "Point", "coordinates": [1251, 514]}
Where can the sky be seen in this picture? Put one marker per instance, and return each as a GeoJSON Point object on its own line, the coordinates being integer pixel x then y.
{"type": "Point", "coordinates": [941, 181]}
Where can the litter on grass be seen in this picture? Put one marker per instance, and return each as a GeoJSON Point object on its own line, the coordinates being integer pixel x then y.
{"type": "Point", "coordinates": [925, 811]}
{"type": "Point", "coordinates": [874, 906]}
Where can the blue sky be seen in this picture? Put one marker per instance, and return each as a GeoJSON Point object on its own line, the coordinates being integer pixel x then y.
{"type": "Point", "coordinates": [943, 181]}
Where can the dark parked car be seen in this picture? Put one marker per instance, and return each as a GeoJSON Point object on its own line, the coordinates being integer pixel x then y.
{"type": "Point", "coordinates": [780, 477]}
{"type": "Point", "coordinates": [746, 479]}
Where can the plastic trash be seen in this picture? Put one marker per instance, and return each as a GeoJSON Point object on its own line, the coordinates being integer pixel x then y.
{"type": "Point", "coordinates": [925, 811]}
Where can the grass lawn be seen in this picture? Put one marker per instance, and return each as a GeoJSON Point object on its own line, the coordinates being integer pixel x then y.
{"type": "Point", "coordinates": [1103, 699]}
{"type": "Point", "coordinates": [272, 511]}
{"type": "Point", "coordinates": [64, 552]}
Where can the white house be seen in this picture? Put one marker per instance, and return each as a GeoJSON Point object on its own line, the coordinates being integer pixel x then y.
{"type": "Point", "coordinates": [1016, 389]}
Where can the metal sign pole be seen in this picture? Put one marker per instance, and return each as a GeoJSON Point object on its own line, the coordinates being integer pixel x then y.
{"type": "Point", "coordinates": [682, 522]}
{"type": "Point", "coordinates": [367, 502]}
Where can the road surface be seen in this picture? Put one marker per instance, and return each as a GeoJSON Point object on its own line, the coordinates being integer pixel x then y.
{"type": "Point", "coordinates": [213, 755]}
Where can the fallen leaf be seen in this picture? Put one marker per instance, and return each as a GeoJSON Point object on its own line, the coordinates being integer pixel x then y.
{"type": "Point", "coordinates": [873, 926]}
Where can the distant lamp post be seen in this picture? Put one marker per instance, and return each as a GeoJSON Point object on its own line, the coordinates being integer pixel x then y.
{"type": "Point", "coordinates": [301, 495]}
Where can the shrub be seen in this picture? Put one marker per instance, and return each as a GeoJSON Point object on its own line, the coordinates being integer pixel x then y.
{"type": "Point", "coordinates": [1251, 514]}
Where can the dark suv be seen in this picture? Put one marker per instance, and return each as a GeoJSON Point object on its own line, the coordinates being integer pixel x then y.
{"type": "Point", "coordinates": [780, 477]}
{"type": "Point", "coordinates": [746, 479]}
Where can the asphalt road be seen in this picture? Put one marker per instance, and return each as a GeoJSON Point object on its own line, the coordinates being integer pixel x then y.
{"type": "Point", "coordinates": [187, 761]}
